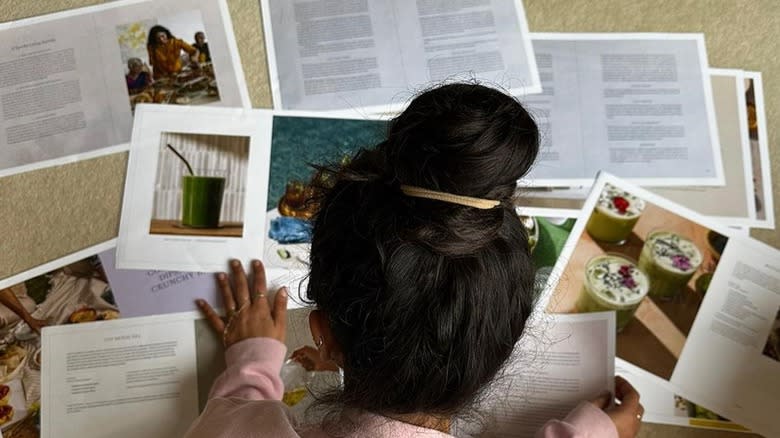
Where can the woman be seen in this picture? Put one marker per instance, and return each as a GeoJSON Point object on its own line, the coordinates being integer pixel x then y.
{"type": "Point", "coordinates": [422, 280]}
{"type": "Point", "coordinates": [165, 52]}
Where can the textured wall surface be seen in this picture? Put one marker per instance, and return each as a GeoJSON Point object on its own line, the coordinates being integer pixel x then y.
{"type": "Point", "coordinates": [52, 212]}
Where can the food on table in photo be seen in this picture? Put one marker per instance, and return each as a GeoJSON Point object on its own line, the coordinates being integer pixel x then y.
{"type": "Point", "coordinates": [6, 414]}
{"type": "Point", "coordinates": [294, 396]}
{"type": "Point", "coordinates": [11, 359]}
{"type": "Point", "coordinates": [5, 394]}
{"type": "Point", "coordinates": [85, 314]}
{"type": "Point", "coordinates": [532, 230]}
{"type": "Point", "coordinates": [612, 282]}
{"type": "Point", "coordinates": [669, 260]}
{"type": "Point", "coordinates": [614, 216]}
{"type": "Point", "coordinates": [107, 315]}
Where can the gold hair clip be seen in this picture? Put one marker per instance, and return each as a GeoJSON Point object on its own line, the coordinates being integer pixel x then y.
{"type": "Point", "coordinates": [419, 192]}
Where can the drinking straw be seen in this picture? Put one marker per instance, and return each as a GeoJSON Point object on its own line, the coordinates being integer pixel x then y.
{"type": "Point", "coordinates": [181, 158]}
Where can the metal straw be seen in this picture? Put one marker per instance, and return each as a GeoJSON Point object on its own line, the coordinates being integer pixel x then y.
{"type": "Point", "coordinates": [181, 158]}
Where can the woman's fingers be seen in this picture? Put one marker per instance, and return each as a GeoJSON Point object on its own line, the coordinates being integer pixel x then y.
{"type": "Point", "coordinates": [625, 392]}
{"type": "Point", "coordinates": [241, 293]}
{"type": "Point", "coordinates": [227, 293]}
{"type": "Point", "coordinates": [603, 400]}
{"type": "Point", "coordinates": [211, 316]}
{"type": "Point", "coordinates": [279, 312]}
{"type": "Point", "coordinates": [258, 274]}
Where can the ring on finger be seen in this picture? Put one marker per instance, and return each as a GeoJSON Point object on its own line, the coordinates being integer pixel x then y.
{"type": "Point", "coordinates": [259, 296]}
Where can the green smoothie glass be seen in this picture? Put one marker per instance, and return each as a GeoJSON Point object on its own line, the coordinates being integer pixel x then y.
{"type": "Point", "coordinates": [201, 201]}
{"type": "Point", "coordinates": [669, 260]}
{"type": "Point", "coordinates": [614, 216]}
{"type": "Point", "coordinates": [612, 282]}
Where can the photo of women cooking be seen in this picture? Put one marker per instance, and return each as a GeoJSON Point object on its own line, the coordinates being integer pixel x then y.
{"type": "Point", "coordinates": [161, 67]}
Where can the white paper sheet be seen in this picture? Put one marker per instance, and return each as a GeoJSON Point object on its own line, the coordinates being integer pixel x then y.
{"type": "Point", "coordinates": [123, 370]}
{"type": "Point", "coordinates": [726, 314]}
{"type": "Point", "coordinates": [663, 406]}
{"type": "Point", "coordinates": [63, 94]}
{"type": "Point", "coordinates": [559, 362]}
{"type": "Point", "coordinates": [372, 55]}
{"type": "Point", "coordinates": [636, 105]}
{"type": "Point", "coordinates": [735, 201]}
{"type": "Point", "coordinates": [180, 247]}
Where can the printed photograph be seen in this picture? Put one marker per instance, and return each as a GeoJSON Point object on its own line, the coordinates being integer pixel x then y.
{"type": "Point", "coordinates": [772, 346]}
{"type": "Point", "coordinates": [167, 60]}
{"type": "Point", "coordinates": [755, 153]}
{"type": "Point", "coordinates": [297, 144]}
{"type": "Point", "coordinates": [76, 293]}
{"type": "Point", "coordinates": [649, 265]}
{"type": "Point", "coordinates": [200, 185]}
{"type": "Point", "coordinates": [700, 416]}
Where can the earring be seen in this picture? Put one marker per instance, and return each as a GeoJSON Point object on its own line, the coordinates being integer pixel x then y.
{"type": "Point", "coordinates": [319, 342]}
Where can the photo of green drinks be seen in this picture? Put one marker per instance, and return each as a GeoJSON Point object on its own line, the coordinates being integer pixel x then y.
{"type": "Point", "coordinates": [646, 263]}
{"type": "Point", "coordinates": [200, 185]}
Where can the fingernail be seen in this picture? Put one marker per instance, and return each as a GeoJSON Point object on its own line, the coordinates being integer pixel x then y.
{"type": "Point", "coordinates": [256, 263]}
{"type": "Point", "coordinates": [221, 276]}
{"type": "Point", "coordinates": [235, 263]}
{"type": "Point", "coordinates": [199, 302]}
{"type": "Point", "coordinates": [283, 291]}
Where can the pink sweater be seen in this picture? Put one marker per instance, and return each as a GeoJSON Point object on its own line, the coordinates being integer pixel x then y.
{"type": "Point", "coordinates": [245, 402]}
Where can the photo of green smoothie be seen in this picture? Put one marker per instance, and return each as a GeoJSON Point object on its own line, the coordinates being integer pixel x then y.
{"type": "Point", "coordinates": [200, 185]}
{"type": "Point", "coordinates": [201, 201]}
{"type": "Point", "coordinates": [612, 282]}
{"type": "Point", "coordinates": [669, 260]}
{"type": "Point", "coordinates": [614, 216]}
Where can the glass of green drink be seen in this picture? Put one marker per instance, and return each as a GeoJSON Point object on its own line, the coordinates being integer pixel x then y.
{"type": "Point", "coordinates": [201, 201]}
{"type": "Point", "coordinates": [613, 282]}
{"type": "Point", "coordinates": [614, 216]}
{"type": "Point", "coordinates": [670, 261]}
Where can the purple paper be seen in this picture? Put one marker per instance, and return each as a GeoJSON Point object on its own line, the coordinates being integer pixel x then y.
{"type": "Point", "coordinates": [145, 293]}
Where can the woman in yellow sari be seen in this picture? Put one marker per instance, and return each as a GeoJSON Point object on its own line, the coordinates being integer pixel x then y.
{"type": "Point", "coordinates": [165, 52]}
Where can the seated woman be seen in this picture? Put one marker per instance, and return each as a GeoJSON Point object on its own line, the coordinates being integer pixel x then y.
{"type": "Point", "coordinates": [202, 46]}
{"type": "Point", "coordinates": [165, 52]}
{"type": "Point", "coordinates": [138, 76]}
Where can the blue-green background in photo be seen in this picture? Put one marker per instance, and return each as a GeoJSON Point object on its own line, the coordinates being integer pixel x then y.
{"type": "Point", "coordinates": [298, 142]}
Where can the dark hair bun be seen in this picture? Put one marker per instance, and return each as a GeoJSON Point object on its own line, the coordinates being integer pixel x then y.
{"type": "Point", "coordinates": [427, 298]}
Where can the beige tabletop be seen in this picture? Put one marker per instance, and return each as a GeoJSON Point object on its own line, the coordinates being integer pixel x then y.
{"type": "Point", "coordinates": [49, 213]}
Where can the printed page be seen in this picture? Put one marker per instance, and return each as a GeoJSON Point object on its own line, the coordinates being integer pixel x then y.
{"type": "Point", "coordinates": [735, 201]}
{"type": "Point", "coordinates": [738, 335]}
{"type": "Point", "coordinates": [152, 292]}
{"type": "Point", "coordinates": [69, 82]}
{"type": "Point", "coordinates": [686, 291]}
{"type": "Point", "coordinates": [663, 406]}
{"type": "Point", "coordinates": [334, 54]}
{"type": "Point", "coordinates": [367, 54]}
{"type": "Point", "coordinates": [121, 371]}
{"type": "Point", "coordinates": [559, 362]}
{"type": "Point", "coordinates": [52, 94]}
{"type": "Point", "coordinates": [442, 40]}
{"type": "Point", "coordinates": [645, 110]}
{"type": "Point", "coordinates": [196, 188]}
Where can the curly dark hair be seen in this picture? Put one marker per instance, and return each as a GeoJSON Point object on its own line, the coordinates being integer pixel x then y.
{"type": "Point", "coordinates": [151, 40]}
{"type": "Point", "coordinates": [426, 298]}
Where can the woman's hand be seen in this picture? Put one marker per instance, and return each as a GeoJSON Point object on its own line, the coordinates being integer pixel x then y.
{"type": "Point", "coordinates": [249, 315]}
{"type": "Point", "coordinates": [627, 415]}
{"type": "Point", "coordinates": [309, 358]}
